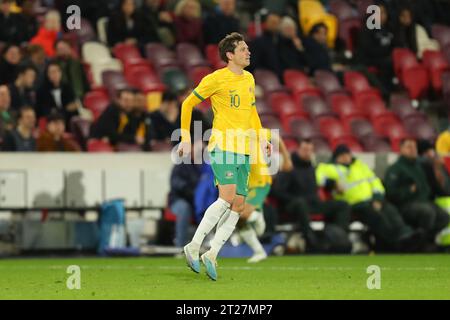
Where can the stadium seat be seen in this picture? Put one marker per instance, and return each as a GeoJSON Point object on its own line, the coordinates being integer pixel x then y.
{"type": "Point", "coordinates": [356, 82]}
{"type": "Point", "coordinates": [436, 64]}
{"type": "Point", "coordinates": [299, 84]}
{"type": "Point", "coordinates": [331, 128]}
{"type": "Point", "coordinates": [160, 56]}
{"type": "Point", "coordinates": [361, 129]}
{"type": "Point", "coordinates": [376, 144]}
{"type": "Point", "coordinates": [403, 58]}
{"type": "Point", "coordinates": [113, 81]}
{"type": "Point", "coordinates": [446, 88]}
{"type": "Point", "coordinates": [316, 107]}
{"type": "Point", "coordinates": [126, 147]}
{"type": "Point", "coordinates": [368, 99]}
{"type": "Point", "coordinates": [94, 52]}
{"type": "Point", "coordinates": [175, 79]}
{"type": "Point", "coordinates": [126, 52]}
{"type": "Point", "coordinates": [190, 56]}
{"type": "Point", "coordinates": [416, 81]}
{"type": "Point", "coordinates": [80, 129]}
{"type": "Point", "coordinates": [396, 133]}
{"type": "Point", "coordinates": [213, 56]}
{"type": "Point", "coordinates": [303, 128]}
{"type": "Point", "coordinates": [441, 33]}
{"type": "Point", "coordinates": [99, 68]}
{"type": "Point", "coordinates": [349, 141]}
{"type": "Point", "coordinates": [85, 33]}
{"type": "Point", "coordinates": [320, 145]}
{"type": "Point", "coordinates": [327, 82]}
{"type": "Point", "coordinates": [287, 120]}
{"type": "Point", "coordinates": [268, 81]}
{"type": "Point", "coordinates": [420, 129]}
{"type": "Point", "coordinates": [102, 27]}
{"type": "Point", "coordinates": [344, 106]}
{"type": "Point", "coordinates": [270, 122]}
{"type": "Point", "coordinates": [196, 74]}
{"type": "Point", "coordinates": [263, 107]}
{"type": "Point", "coordinates": [96, 102]}
{"type": "Point", "coordinates": [341, 9]}
{"type": "Point", "coordinates": [96, 145]}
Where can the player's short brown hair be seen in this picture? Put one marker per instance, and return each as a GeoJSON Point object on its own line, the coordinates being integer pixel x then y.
{"type": "Point", "coordinates": [229, 44]}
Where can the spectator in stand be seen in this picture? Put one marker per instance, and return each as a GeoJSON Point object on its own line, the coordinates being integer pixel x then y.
{"type": "Point", "coordinates": [351, 180]}
{"type": "Point", "coordinates": [35, 56]}
{"type": "Point", "coordinates": [443, 143]}
{"type": "Point", "coordinates": [140, 118]}
{"type": "Point", "coordinates": [407, 188]}
{"type": "Point", "coordinates": [220, 22]}
{"type": "Point", "coordinates": [6, 117]}
{"type": "Point", "coordinates": [22, 90]}
{"type": "Point", "coordinates": [298, 195]}
{"type": "Point", "coordinates": [115, 125]}
{"type": "Point", "coordinates": [55, 96]}
{"type": "Point", "coordinates": [265, 48]}
{"type": "Point", "coordinates": [31, 25]}
{"type": "Point", "coordinates": [316, 49]}
{"type": "Point", "coordinates": [166, 119]}
{"type": "Point", "coordinates": [49, 32]}
{"type": "Point", "coordinates": [72, 69]}
{"type": "Point", "coordinates": [11, 24]}
{"type": "Point", "coordinates": [125, 25]}
{"type": "Point", "coordinates": [188, 23]}
{"type": "Point", "coordinates": [20, 139]}
{"type": "Point", "coordinates": [374, 48]}
{"type": "Point", "coordinates": [158, 23]}
{"type": "Point", "coordinates": [52, 139]}
{"type": "Point", "coordinates": [9, 63]}
{"type": "Point", "coordinates": [292, 52]}
{"type": "Point", "coordinates": [411, 35]}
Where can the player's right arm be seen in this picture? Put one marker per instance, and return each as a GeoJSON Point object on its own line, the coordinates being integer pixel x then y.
{"type": "Point", "coordinates": [204, 90]}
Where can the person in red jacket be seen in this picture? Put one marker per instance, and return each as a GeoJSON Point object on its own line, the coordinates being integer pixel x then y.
{"type": "Point", "coordinates": [49, 32]}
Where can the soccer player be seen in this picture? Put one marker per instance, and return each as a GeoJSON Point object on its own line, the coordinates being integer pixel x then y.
{"type": "Point", "coordinates": [251, 224]}
{"type": "Point", "coordinates": [232, 94]}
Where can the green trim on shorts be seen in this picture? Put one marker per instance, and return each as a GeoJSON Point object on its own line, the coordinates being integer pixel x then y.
{"type": "Point", "coordinates": [231, 168]}
{"type": "Point", "coordinates": [257, 196]}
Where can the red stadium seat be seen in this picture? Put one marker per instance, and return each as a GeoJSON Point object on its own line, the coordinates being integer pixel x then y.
{"type": "Point", "coordinates": [126, 52]}
{"type": "Point", "coordinates": [416, 81]}
{"type": "Point", "coordinates": [327, 82]}
{"type": "Point", "coordinates": [316, 107]}
{"type": "Point", "coordinates": [366, 100]}
{"type": "Point", "coordinates": [356, 82]}
{"type": "Point", "coordinates": [299, 84]}
{"type": "Point", "coordinates": [403, 59]}
{"type": "Point", "coordinates": [349, 141]}
{"type": "Point", "coordinates": [270, 122]}
{"type": "Point", "coordinates": [321, 146]}
{"type": "Point", "coordinates": [287, 120]}
{"type": "Point", "coordinates": [343, 105]}
{"type": "Point", "coordinates": [376, 144]}
{"type": "Point", "coordinates": [144, 80]}
{"type": "Point", "coordinates": [264, 108]}
{"type": "Point", "coordinates": [303, 128]}
{"type": "Point", "coordinates": [283, 104]}
{"type": "Point", "coordinates": [190, 56]}
{"type": "Point", "coordinates": [331, 128]}
{"type": "Point", "coordinates": [268, 81]}
{"type": "Point", "coordinates": [213, 56]}
{"type": "Point", "coordinates": [95, 145]}
{"type": "Point", "coordinates": [361, 129]}
{"type": "Point", "coordinates": [196, 74]}
{"type": "Point", "coordinates": [341, 9]}
{"type": "Point", "coordinates": [436, 65]}
{"type": "Point", "coordinates": [96, 101]}
{"type": "Point", "coordinates": [441, 33]}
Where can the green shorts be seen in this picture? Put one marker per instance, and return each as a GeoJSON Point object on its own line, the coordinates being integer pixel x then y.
{"type": "Point", "coordinates": [231, 168]}
{"type": "Point", "coordinates": [257, 196]}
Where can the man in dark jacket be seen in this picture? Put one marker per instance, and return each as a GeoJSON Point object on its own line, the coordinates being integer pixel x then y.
{"type": "Point", "coordinates": [297, 193]}
{"type": "Point", "coordinates": [407, 187]}
{"type": "Point", "coordinates": [115, 124]}
{"type": "Point", "coordinates": [316, 49]}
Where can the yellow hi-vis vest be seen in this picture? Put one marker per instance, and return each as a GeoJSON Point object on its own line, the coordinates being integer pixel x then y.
{"type": "Point", "coordinates": [358, 181]}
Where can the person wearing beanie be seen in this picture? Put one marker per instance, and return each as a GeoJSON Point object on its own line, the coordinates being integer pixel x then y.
{"type": "Point", "coordinates": [351, 180]}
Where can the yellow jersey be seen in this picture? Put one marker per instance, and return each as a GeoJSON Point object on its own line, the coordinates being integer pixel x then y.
{"type": "Point", "coordinates": [259, 171]}
{"type": "Point", "coordinates": [236, 120]}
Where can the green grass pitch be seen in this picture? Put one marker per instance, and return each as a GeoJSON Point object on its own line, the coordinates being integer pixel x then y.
{"type": "Point", "coordinates": [289, 277]}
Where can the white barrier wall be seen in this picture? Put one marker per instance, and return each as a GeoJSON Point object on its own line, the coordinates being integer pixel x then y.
{"type": "Point", "coordinates": [85, 180]}
{"type": "Point", "coordinates": [80, 180]}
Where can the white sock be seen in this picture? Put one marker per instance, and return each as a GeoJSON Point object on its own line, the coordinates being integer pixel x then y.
{"type": "Point", "coordinates": [253, 216]}
{"type": "Point", "coordinates": [224, 232]}
{"type": "Point", "coordinates": [248, 234]}
{"type": "Point", "coordinates": [223, 218]}
{"type": "Point", "coordinates": [210, 219]}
